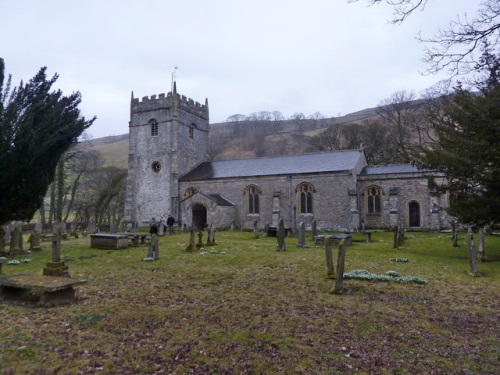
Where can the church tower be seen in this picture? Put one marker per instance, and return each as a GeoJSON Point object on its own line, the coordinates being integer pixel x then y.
{"type": "Point", "coordinates": [168, 136]}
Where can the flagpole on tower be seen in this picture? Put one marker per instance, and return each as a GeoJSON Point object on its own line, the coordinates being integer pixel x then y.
{"type": "Point", "coordinates": [173, 78]}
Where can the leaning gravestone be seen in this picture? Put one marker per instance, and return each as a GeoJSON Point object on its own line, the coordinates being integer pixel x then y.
{"type": "Point", "coordinates": [266, 230]}
{"type": "Point", "coordinates": [481, 246]}
{"type": "Point", "coordinates": [339, 279]}
{"type": "Point", "coordinates": [153, 250]}
{"type": "Point", "coordinates": [280, 235]}
{"type": "Point", "coordinates": [301, 239]}
{"type": "Point", "coordinates": [330, 274]}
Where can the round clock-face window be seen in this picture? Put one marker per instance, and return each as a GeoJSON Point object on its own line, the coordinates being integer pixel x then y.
{"type": "Point", "coordinates": [156, 166]}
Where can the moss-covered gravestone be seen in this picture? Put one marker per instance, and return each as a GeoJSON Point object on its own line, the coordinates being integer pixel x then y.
{"type": "Point", "coordinates": [56, 267]}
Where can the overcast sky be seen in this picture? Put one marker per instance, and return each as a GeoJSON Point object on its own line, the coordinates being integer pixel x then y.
{"type": "Point", "coordinates": [243, 55]}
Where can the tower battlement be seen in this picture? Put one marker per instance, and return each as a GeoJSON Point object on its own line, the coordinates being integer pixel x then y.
{"type": "Point", "coordinates": [151, 103]}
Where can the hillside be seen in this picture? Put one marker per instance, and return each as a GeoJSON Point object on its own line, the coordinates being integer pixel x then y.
{"type": "Point", "coordinates": [245, 139]}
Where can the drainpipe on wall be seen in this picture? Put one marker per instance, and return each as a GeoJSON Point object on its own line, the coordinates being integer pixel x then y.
{"type": "Point", "coordinates": [358, 205]}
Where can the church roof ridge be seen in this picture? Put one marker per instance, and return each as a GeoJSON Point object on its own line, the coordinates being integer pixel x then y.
{"type": "Point", "coordinates": [320, 162]}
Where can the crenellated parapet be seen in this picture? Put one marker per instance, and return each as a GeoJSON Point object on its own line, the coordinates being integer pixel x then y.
{"type": "Point", "coordinates": [153, 102]}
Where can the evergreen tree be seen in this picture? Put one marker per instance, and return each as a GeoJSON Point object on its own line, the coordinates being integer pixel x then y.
{"type": "Point", "coordinates": [37, 126]}
{"type": "Point", "coordinates": [468, 147]}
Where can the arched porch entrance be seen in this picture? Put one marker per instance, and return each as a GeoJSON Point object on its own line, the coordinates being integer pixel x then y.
{"type": "Point", "coordinates": [199, 214]}
{"type": "Point", "coordinates": [414, 214]}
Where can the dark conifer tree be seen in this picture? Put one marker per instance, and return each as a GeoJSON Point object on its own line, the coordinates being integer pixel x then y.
{"type": "Point", "coordinates": [37, 125]}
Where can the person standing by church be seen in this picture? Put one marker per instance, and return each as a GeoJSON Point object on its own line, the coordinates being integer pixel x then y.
{"type": "Point", "coordinates": [170, 224]}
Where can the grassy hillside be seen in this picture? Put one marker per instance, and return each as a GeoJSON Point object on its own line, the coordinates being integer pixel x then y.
{"type": "Point", "coordinates": [245, 139]}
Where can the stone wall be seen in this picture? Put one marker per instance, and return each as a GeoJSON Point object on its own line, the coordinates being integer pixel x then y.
{"type": "Point", "coordinates": [331, 201]}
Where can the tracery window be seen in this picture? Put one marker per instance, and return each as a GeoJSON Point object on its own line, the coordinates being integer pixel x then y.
{"type": "Point", "coordinates": [253, 193]}
{"type": "Point", "coordinates": [373, 200]}
{"type": "Point", "coordinates": [154, 127]}
{"type": "Point", "coordinates": [305, 193]}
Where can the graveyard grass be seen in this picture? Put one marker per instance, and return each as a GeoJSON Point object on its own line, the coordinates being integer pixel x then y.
{"type": "Point", "coordinates": [243, 308]}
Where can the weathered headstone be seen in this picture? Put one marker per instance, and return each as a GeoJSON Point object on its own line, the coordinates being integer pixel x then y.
{"type": "Point", "coordinates": [480, 245]}
{"type": "Point", "coordinates": [472, 254]}
{"type": "Point", "coordinates": [301, 241]}
{"type": "Point", "coordinates": [314, 230]}
{"type": "Point", "coordinates": [339, 279]}
{"type": "Point", "coordinates": [153, 250]}
{"type": "Point", "coordinates": [56, 267]}
{"type": "Point", "coordinates": [2, 261]}
{"type": "Point", "coordinates": [34, 241]}
{"type": "Point", "coordinates": [112, 227]}
{"type": "Point", "coordinates": [454, 233]}
{"type": "Point", "coordinates": [255, 229]}
{"type": "Point", "coordinates": [191, 245]}
{"type": "Point", "coordinates": [161, 226]}
{"type": "Point", "coordinates": [330, 273]}
{"type": "Point", "coordinates": [200, 240]}
{"type": "Point", "coordinates": [396, 236]}
{"type": "Point", "coordinates": [62, 225]}
{"type": "Point", "coordinates": [16, 241]}
{"type": "Point", "coordinates": [266, 230]}
{"type": "Point", "coordinates": [280, 235]}
{"type": "Point", "coordinates": [211, 236]}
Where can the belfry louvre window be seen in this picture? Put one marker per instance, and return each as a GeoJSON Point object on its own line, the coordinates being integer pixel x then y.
{"type": "Point", "coordinates": [253, 199]}
{"type": "Point", "coordinates": [154, 127]}
{"type": "Point", "coordinates": [191, 131]}
{"type": "Point", "coordinates": [373, 200]}
{"type": "Point", "coordinates": [305, 194]}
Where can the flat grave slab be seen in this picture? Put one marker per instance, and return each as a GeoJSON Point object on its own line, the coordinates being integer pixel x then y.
{"type": "Point", "coordinates": [38, 288]}
{"type": "Point", "coordinates": [109, 241]}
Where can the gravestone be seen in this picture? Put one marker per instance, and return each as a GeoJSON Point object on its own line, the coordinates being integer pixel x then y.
{"type": "Point", "coordinates": [280, 236]}
{"type": "Point", "coordinates": [191, 245]}
{"type": "Point", "coordinates": [2, 261]}
{"type": "Point", "coordinates": [339, 279]}
{"type": "Point", "coordinates": [472, 254]}
{"type": "Point", "coordinates": [266, 230]}
{"type": "Point", "coordinates": [153, 250]}
{"type": "Point", "coordinates": [161, 226]}
{"type": "Point", "coordinates": [396, 236]}
{"type": "Point", "coordinates": [314, 230]}
{"type": "Point", "coordinates": [255, 229]}
{"type": "Point", "coordinates": [199, 245]}
{"type": "Point", "coordinates": [34, 241]}
{"type": "Point", "coordinates": [301, 238]}
{"type": "Point", "coordinates": [56, 267]}
{"type": "Point", "coordinates": [330, 273]}
{"type": "Point", "coordinates": [481, 246]}
{"type": "Point", "coordinates": [112, 227]}
{"type": "Point", "coordinates": [211, 236]}
{"type": "Point", "coordinates": [62, 225]}
{"type": "Point", "coordinates": [2, 239]}
{"type": "Point", "coordinates": [16, 241]}
{"type": "Point", "coordinates": [454, 233]}
{"type": "Point", "coordinates": [91, 228]}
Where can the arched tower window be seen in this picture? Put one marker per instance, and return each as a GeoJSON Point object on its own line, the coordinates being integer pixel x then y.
{"type": "Point", "coordinates": [373, 199]}
{"type": "Point", "coordinates": [190, 191]}
{"type": "Point", "coordinates": [253, 193]}
{"type": "Point", "coordinates": [153, 124]}
{"type": "Point", "coordinates": [305, 193]}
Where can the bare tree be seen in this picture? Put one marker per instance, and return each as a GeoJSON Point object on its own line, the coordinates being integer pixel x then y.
{"type": "Point", "coordinates": [236, 118]}
{"type": "Point", "coordinates": [328, 140]}
{"type": "Point", "coordinates": [453, 48]}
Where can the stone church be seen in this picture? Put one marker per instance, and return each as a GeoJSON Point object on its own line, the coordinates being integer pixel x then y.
{"type": "Point", "coordinates": [169, 173]}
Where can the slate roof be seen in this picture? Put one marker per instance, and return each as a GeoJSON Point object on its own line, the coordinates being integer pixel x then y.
{"type": "Point", "coordinates": [220, 200]}
{"type": "Point", "coordinates": [390, 169]}
{"type": "Point", "coordinates": [335, 161]}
